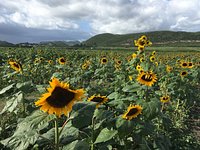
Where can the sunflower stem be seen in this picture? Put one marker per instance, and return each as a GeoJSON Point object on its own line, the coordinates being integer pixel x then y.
{"type": "Point", "coordinates": [67, 120]}
{"type": "Point", "coordinates": [56, 134]}
{"type": "Point", "coordinates": [92, 140]}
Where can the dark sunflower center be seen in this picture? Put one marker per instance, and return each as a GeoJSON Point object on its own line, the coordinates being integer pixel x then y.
{"type": "Point", "coordinates": [132, 111]}
{"type": "Point", "coordinates": [97, 99]}
{"type": "Point", "coordinates": [104, 60]}
{"type": "Point", "coordinates": [62, 60]}
{"type": "Point", "coordinates": [147, 77]}
{"type": "Point", "coordinates": [184, 73]}
{"type": "Point", "coordinates": [190, 64]}
{"type": "Point", "coordinates": [141, 42]}
{"type": "Point", "coordinates": [184, 64]}
{"type": "Point", "coordinates": [16, 65]}
{"type": "Point", "coordinates": [60, 97]}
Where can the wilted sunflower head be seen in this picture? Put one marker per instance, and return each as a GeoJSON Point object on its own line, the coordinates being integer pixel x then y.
{"type": "Point", "coordinates": [118, 62]}
{"type": "Point", "coordinates": [98, 99]}
{"type": "Point", "coordinates": [132, 112]}
{"type": "Point", "coordinates": [15, 66]}
{"type": "Point", "coordinates": [62, 61]}
{"type": "Point", "coordinates": [59, 99]}
{"type": "Point", "coordinates": [147, 78]}
{"type": "Point", "coordinates": [50, 62]}
{"type": "Point", "coordinates": [129, 58]}
{"type": "Point", "coordinates": [104, 60]}
{"type": "Point", "coordinates": [168, 68]}
{"type": "Point", "coordinates": [165, 99]}
{"type": "Point", "coordinates": [117, 67]}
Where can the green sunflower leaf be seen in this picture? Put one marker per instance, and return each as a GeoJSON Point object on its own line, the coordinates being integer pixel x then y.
{"type": "Point", "coordinates": [150, 109]}
{"type": "Point", "coordinates": [27, 131]}
{"type": "Point", "coordinates": [131, 88]}
{"type": "Point", "coordinates": [83, 114]}
{"type": "Point", "coordinates": [6, 89]}
{"type": "Point", "coordinates": [77, 145]}
{"type": "Point", "coordinates": [11, 104]}
{"type": "Point", "coordinates": [25, 86]}
{"type": "Point", "coordinates": [105, 135]}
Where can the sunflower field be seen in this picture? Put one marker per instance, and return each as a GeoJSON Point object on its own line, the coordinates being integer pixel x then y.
{"type": "Point", "coordinates": [59, 99]}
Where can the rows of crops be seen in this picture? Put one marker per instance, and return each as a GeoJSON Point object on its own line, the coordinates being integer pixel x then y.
{"type": "Point", "coordinates": [64, 99]}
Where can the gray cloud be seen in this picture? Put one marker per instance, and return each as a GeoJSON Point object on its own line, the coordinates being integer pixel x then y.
{"type": "Point", "coordinates": [66, 19]}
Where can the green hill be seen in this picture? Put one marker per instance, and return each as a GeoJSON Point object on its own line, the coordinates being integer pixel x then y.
{"type": "Point", "coordinates": [6, 44]}
{"type": "Point", "coordinates": [159, 38]}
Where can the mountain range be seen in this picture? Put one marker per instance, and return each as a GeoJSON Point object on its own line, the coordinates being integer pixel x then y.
{"type": "Point", "coordinates": [158, 38]}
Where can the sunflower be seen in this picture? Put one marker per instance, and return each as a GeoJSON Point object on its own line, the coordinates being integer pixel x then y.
{"type": "Point", "coordinates": [98, 99]}
{"type": "Point", "coordinates": [132, 112]}
{"type": "Point", "coordinates": [152, 58]}
{"type": "Point", "coordinates": [165, 99]}
{"type": "Point", "coordinates": [156, 63]}
{"type": "Point", "coordinates": [142, 59]}
{"type": "Point", "coordinates": [144, 37]}
{"type": "Point", "coordinates": [62, 61]}
{"type": "Point", "coordinates": [37, 61]}
{"type": "Point", "coordinates": [168, 68]}
{"type": "Point", "coordinates": [16, 66]}
{"type": "Point", "coordinates": [104, 60]}
{"type": "Point", "coordinates": [141, 42]}
{"type": "Point", "coordinates": [153, 53]}
{"type": "Point", "coordinates": [184, 65]}
{"type": "Point", "coordinates": [50, 62]}
{"type": "Point", "coordinates": [59, 99]}
{"type": "Point", "coordinates": [183, 73]}
{"type": "Point", "coordinates": [118, 62]}
{"type": "Point", "coordinates": [190, 65]}
{"type": "Point", "coordinates": [85, 66]}
{"type": "Point", "coordinates": [134, 55]}
{"type": "Point", "coordinates": [138, 68]}
{"type": "Point", "coordinates": [148, 43]}
{"type": "Point", "coordinates": [140, 48]}
{"type": "Point", "coordinates": [147, 78]}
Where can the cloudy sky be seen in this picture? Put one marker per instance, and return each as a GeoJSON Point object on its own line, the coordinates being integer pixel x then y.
{"type": "Point", "coordinates": [44, 20]}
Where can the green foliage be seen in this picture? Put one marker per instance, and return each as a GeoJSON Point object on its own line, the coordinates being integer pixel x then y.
{"type": "Point", "coordinates": [159, 125]}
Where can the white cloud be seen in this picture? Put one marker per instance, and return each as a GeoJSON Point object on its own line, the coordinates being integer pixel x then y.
{"type": "Point", "coordinates": [114, 16]}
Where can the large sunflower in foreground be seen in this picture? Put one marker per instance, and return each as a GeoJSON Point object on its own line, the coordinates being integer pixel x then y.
{"type": "Point", "coordinates": [98, 99]}
{"type": "Point", "coordinates": [59, 99]}
{"type": "Point", "coordinates": [15, 66]}
{"type": "Point", "coordinates": [147, 78]}
{"type": "Point", "coordinates": [132, 112]}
